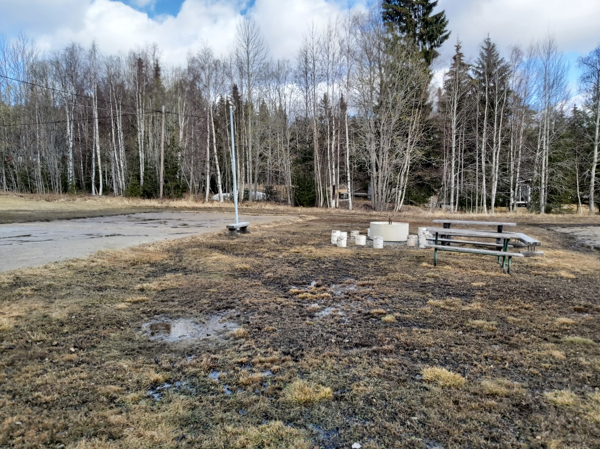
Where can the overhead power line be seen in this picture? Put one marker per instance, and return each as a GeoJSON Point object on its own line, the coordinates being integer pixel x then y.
{"type": "Point", "coordinates": [55, 122]}
{"type": "Point", "coordinates": [89, 97]}
{"type": "Point", "coordinates": [75, 94]}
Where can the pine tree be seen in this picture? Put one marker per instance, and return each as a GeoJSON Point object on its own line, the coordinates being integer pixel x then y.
{"type": "Point", "coordinates": [413, 19]}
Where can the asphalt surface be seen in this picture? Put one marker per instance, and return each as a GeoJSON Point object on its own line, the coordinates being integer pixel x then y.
{"type": "Point", "coordinates": [39, 243]}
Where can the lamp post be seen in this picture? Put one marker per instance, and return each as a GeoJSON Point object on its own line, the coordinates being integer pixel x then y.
{"type": "Point", "coordinates": [233, 168]}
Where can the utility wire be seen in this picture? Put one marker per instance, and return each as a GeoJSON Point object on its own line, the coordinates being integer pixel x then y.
{"type": "Point", "coordinates": [92, 98]}
{"type": "Point", "coordinates": [89, 97]}
{"type": "Point", "coordinates": [89, 119]}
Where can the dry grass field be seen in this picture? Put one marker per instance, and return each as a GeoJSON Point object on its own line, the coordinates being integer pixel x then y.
{"type": "Point", "coordinates": [327, 347]}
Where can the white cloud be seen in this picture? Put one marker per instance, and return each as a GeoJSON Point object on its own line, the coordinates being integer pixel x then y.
{"type": "Point", "coordinates": [118, 27]}
{"type": "Point", "coordinates": [284, 23]}
{"type": "Point", "coordinates": [574, 24]}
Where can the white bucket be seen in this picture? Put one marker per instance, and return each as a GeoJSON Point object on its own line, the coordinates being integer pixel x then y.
{"type": "Point", "coordinates": [369, 232]}
{"type": "Point", "coordinates": [334, 236]}
{"type": "Point", "coordinates": [422, 234]}
{"type": "Point", "coordinates": [353, 235]}
{"type": "Point", "coordinates": [361, 240]}
{"type": "Point", "coordinates": [377, 242]}
{"type": "Point", "coordinates": [343, 234]}
{"type": "Point", "coordinates": [341, 241]}
{"type": "Point", "coordinates": [413, 241]}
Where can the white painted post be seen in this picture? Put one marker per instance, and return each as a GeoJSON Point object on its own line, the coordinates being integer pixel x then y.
{"type": "Point", "coordinates": [235, 191]}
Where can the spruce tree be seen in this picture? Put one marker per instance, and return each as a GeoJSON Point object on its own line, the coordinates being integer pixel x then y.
{"type": "Point", "coordinates": [491, 73]}
{"type": "Point", "coordinates": [414, 20]}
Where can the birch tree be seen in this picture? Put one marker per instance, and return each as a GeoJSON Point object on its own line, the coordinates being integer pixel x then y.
{"type": "Point", "coordinates": [590, 86]}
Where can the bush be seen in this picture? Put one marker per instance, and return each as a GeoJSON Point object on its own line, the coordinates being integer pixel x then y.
{"type": "Point", "coordinates": [304, 191]}
{"type": "Point", "coordinates": [133, 189]}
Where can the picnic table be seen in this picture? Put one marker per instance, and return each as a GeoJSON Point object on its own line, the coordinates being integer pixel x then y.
{"type": "Point", "coordinates": [524, 239]}
{"type": "Point", "coordinates": [447, 223]}
{"type": "Point", "coordinates": [444, 236]}
{"type": "Point", "coordinates": [444, 241]}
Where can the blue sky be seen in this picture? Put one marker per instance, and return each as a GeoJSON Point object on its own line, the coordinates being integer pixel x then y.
{"type": "Point", "coordinates": [161, 7]}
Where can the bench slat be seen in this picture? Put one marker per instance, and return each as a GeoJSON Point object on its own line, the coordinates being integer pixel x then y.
{"type": "Point", "coordinates": [474, 222]}
{"type": "Point", "coordinates": [238, 225]}
{"type": "Point", "coordinates": [471, 233]}
{"type": "Point", "coordinates": [468, 242]}
{"type": "Point", "coordinates": [526, 239]}
{"type": "Point", "coordinates": [486, 252]}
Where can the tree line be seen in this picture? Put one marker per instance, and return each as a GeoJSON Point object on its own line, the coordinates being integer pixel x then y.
{"type": "Point", "coordinates": [353, 112]}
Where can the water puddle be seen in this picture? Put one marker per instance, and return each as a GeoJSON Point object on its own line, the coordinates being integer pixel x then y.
{"type": "Point", "coordinates": [340, 290]}
{"type": "Point", "coordinates": [185, 329]}
{"type": "Point", "coordinates": [179, 386]}
{"type": "Point", "coordinates": [329, 311]}
{"type": "Point", "coordinates": [326, 439]}
{"type": "Point", "coordinates": [214, 376]}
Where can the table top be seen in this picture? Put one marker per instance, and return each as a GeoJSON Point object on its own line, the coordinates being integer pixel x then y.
{"type": "Point", "coordinates": [473, 233]}
{"type": "Point", "coordinates": [474, 222]}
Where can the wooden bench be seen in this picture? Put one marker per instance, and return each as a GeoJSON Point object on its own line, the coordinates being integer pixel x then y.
{"type": "Point", "coordinates": [504, 257]}
{"type": "Point", "coordinates": [238, 228]}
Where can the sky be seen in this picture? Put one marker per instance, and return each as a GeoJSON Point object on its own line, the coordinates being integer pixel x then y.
{"type": "Point", "coordinates": [183, 26]}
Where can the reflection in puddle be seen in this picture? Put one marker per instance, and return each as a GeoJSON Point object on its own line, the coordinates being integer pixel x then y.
{"type": "Point", "coordinates": [186, 329]}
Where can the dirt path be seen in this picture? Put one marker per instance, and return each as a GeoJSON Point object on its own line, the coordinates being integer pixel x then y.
{"type": "Point", "coordinates": [39, 243]}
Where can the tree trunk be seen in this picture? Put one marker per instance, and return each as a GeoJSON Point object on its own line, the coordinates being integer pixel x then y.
{"type": "Point", "coordinates": [592, 206]}
{"type": "Point", "coordinates": [217, 168]}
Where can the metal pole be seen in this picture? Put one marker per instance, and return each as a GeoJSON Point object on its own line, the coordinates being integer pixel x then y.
{"type": "Point", "coordinates": [235, 192]}
{"type": "Point", "coordinates": [162, 154]}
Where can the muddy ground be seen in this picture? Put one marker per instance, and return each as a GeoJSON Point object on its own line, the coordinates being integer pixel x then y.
{"type": "Point", "coordinates": [309, 346]}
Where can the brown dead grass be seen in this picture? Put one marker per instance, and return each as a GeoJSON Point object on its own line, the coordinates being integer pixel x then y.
{"type": "Point", "coordinates": [558, 355]}
{"type": "Point", "coordinates": [378, 312]}
{"type": "Point", "coordinates": [443, 378]}
{"type": "Point", "coordinates": [306, 296]}
{"type": "Point", "coordinates": [563, 321]}
{"type": "Point", "coordinates": [169, 282]}
{"type": "Point", "coordinates": [388, 319]}
{"type": "Point", "coordinates": [489, 326]}
{"type": "Point", "coordinates": [273, 435]}
{"type": "Point", "coordinates": [447, 304]}
{"type": "Point", "coordinates": [136, 299]}
{"type": "Point", "coordinates": [563, 398]}
{"type": "Point", "coordinates": [239, 333]}
{"type": "Point", "coordinates": [579, 341]}
{"type": "Point", "coordinates": [307, 393]}
{"type": "Point", "coordinates": [500, 387]}
{"type": "Point", "coordinates": [98, 393]}
{"type": "Point", "coordinates": [6, 324]}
